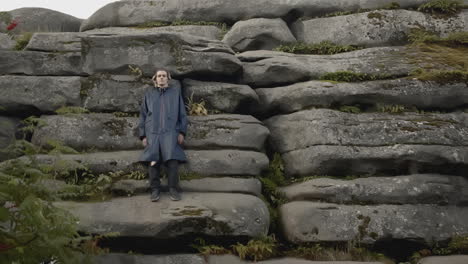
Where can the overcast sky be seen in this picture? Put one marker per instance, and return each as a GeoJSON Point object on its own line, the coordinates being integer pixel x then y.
{"type": "Point", "coordinates": [77, 8]}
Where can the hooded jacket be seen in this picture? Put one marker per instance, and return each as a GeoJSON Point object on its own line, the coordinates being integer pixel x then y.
{"type": "Point", "coordinates": [162, 118]}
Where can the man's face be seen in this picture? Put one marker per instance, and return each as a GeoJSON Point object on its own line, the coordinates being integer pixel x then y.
{"type": "Point", "coordinates": [162, 79]}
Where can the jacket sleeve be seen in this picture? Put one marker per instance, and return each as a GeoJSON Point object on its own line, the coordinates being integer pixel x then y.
{"type": "Point", "coordinates": [143, 114]}
{"type": "Point", "coordinates": [182, 118]}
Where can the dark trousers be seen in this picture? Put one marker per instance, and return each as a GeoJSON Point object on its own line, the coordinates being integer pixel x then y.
{"type": "Point", "coordinates": [172, 176]}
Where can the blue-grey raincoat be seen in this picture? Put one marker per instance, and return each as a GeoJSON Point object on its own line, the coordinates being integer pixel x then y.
{"type": "Point", "coordinates": [162, 118]}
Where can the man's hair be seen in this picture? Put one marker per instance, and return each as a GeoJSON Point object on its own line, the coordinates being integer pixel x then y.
{"type": "Point", "coordinates": [164, 70]}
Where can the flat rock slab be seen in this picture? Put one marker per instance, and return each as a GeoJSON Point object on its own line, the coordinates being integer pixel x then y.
{"type": "Point", "coordinates": [209, 32]}
{"type": "Point", "coordinates": [40, 63]}
{"type": "Point", "coordinates": [200, 162]}
{"type": "Point", "coordinates": [71, 41]}
{"type": "Point", "coordinates": [132, 13]}
{"type": "Point", "coordinates": [455, 259]}
{"type": "Point", "coordinates": [38, 93]}
{"type": "Point", "coordinates": [304, 221]}
{"type": "Point", "coordinates": [258, 34]}
{"type": "Point", "coordinates": [225, 97]}
{"type": "Point", "coordinates": [408, 189]}
{"type": "Point", "coordinates": [214, 214]}
{"type": "Point", "coordinates": [406, 92]}
{"type": "Point", "coordinates": [376, 28]}
{"type": "Point", "coordinates": [369, 161]}
{"type": "Point", "coordinates": [108, 132]}
{"type": "Point", "coordinates": [263, 68]}
{"type": "Point", "coordinates": [224, 185]}
{"type": "Point", "coordinates": [334, 128]}
{"type": "Point", "coordinates": [115, 258]}
{"type": "Point", "coordinates": [182, 54]}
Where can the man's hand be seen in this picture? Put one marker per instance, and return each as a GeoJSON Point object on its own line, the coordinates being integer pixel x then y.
{"type": "Point", "coordinates": [180, 139]}
{"type": "Point", "coordinates": [145, 142]}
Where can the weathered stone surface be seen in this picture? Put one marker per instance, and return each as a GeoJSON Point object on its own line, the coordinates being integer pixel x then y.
{"type": "Point", "coordinates": [411, 93]}
{"type": "Point", "coordinates": [225, 97]}
{"type": "Point", "coordinates": [230, 259]}
{"type": "Point", "coordinates": [410, 189]}
{"type": "Point", "coordinates": [304, 221]}
{"type": "Point", "coordinates": [376, 28]}
{"type": "Point", "coordinates": [273, 68]}
{"type": "Point", "coordinates": [40, 63]}
{"type": "Point", "coordinates": [225, 184]}
{"type": "Point", "coordinates": [115, 258]}
{"type": "Point", "coordinates": [35, 19]}
{"type": "Point", "coordinates": [107, 132]}
{"type": "Point", "coordinates": [8, 127]}
{"type": "Point", "coordinates": [54, 42]}
{"type": "Point", "coordinates": [258, 34]}
{"type": "Point", "coordinates": [182, 54]}
{"type": "Point", "coordinates": [6, 42]}
{"type": "Point", "coordinates": [201, 162]}
{"type": "Point", "coordinates": [210, 32]}
{"type": "Point", "coordinates": [131, 13]}
{"type": "Point", "coordinates": [455, 259]}
{"type": "Point", "coordinates": [115, 93]}
{"type": "Point", "coordinates": [383, 160]}
{"type": "Point", "coordinates": [329, 127]}
{"type": "Point", "coordinates": [214, 214]}
{"type": "Point", "coordinates": [21, 94]}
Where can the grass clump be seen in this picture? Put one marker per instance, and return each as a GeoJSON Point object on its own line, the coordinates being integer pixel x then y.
{"type": "Point", "coordinates": [257, 249]}
{"type": "Point", "coordinates": [393, 109]}
{"type": "Point", "coordinates": [64, 110]}
{"type": "Point", "coordinates": [442, 7]}
{"type": "Point", "coordinates": [350, 109]}
{"type": "Point", "coordinates": [348, 76]}
{"type": "Point", "coordinates": [455, 39]}
{"type": "Point", "coordinates": [441, 77]}
{"type": "Point", "coordinates": [194, 108]}
{"type": "Point", "coordinates": [324, 48]}
{"type": "Point", "coordinates": [23, 40]}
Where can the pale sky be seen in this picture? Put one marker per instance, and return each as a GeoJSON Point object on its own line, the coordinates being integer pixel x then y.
{"type": "Point", "coordinates": [76, 8]}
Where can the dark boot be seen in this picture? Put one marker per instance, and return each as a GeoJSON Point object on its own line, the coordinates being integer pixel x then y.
{"type": "Point", "coordinates": [173, 179]}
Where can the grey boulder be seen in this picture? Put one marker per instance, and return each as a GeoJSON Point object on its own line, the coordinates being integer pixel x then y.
{"type": "Point", "coordinates": [56, 42]}
{"type": "Point", "coordinates": [132, 13]}
{"type": "Point", "coordinates": [329, 127]}
{"type": "Point", "coordinates": [380, 160]}
{"type": "Point", "coordinates": [408, 189]}
{"type": "Point", "coordinates": [182, 54]}
{"type": "Point", "coordinates": [225, 97]}
{"type": "Point", "coordinates": [376, 28]}
{"type": "Point", "coordinates": [258, 34]}
{"type": "Point", "coordinates": [120, 258]}
{"type": "Point", "coordinates": [274, 68]}
{"type": "Point", "coordinates": [8, 126]}
{"type": "Point", "coordinates": [40, 63]}
{"type": "Point", "coordinates": [406, 92]}
{"type": "Point", "coordinates": [216, 214]}
{"type": "Point", "coordinates": [304, 221]}
{"type": "Point", "coordinates": [45, 94]}
{"type": "Point", "coordinates": [454, 259]}
{"type": "Point", "coordinates": [35, 19]}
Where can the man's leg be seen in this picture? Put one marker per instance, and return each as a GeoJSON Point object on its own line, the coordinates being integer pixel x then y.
{"type": "Point", "coordinates": [173, 179]}
{"type": "Point", "coordinates": [155, 181]}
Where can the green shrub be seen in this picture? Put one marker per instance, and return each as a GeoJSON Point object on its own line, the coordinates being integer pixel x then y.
{"type": "Point", "coordinates": [23, 40]}
{"type": "Point", "coordinates": [448, 7]}
{"type": "Point", "coordinates": [5, 17]}
{"type": "Point", "coordinates": [29, 124]}
{"type": "Point", "coordinates": [324, 47]}
{"type": "Point", "coordinates": [348, 76]}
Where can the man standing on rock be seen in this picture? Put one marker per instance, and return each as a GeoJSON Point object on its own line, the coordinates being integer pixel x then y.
{"type": "Point", "coordinates": [163, 125]}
